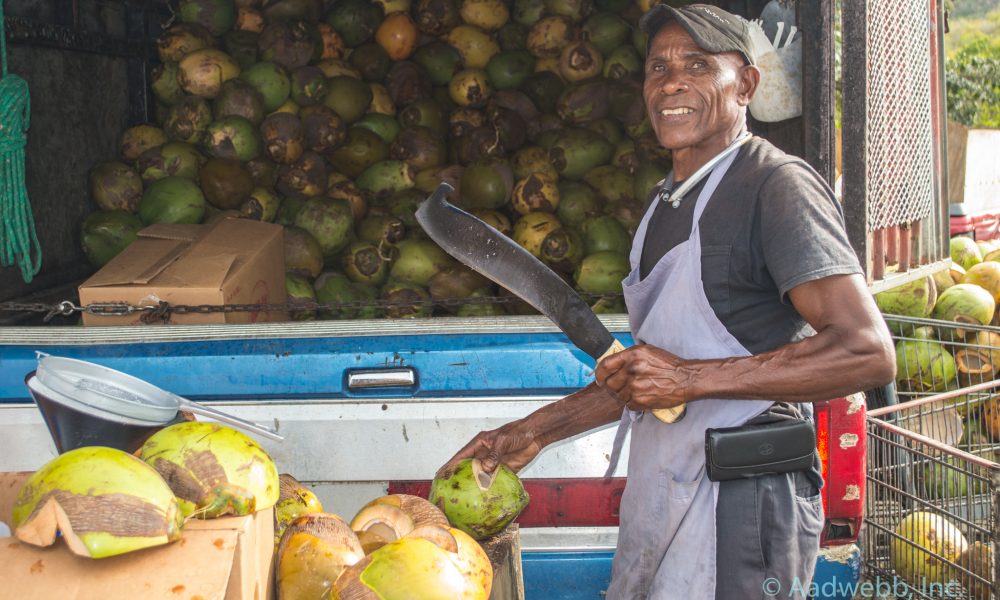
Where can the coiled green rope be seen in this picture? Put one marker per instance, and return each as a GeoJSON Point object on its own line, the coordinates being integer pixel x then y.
{"type": "Point", "coordinates": [17, 226]}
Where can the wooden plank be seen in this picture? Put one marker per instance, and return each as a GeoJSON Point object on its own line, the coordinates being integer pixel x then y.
{"type": "Point", "coordinates": [504, 551]}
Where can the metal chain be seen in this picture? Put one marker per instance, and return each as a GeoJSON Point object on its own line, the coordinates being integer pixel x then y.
{"type": "Point", "coordinates": [161, 312]}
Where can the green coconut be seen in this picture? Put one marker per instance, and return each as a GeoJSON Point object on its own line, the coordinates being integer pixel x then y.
{"type": "Point", "coordinates": [605, 234]}
{"type": "Point", "coordinates": [442, 562]}
{"type": "Point", "coordinates": [102, 501]}
{"type": "Point", "coordinates": [479, 503]}
{"type": "Point", "coordinates": [163, 81]}
{"type": "Point", "coordinates": [188, 119]}
{"type": "Point", "coordinates": [563, 249]}
{"type": "Point", "coordinates": [986, 275]}
{"type": "Point", "coordinates": [456, 283]}
{"type": "Point", "coordinates": [913, 299]}
{"type": "Point", "coordinates": [262, 205]}
{"type": "Point", "coordinates": [329, 221]}
{"type": "Point", "coordinates": [647, 177]}
{"type": "Point", "coordinates": [965, 252]}
{"type": "Point", "coordinates": [355, 20]}
{"type": "Point", "coordinates": [336, 289]}
{"type": "Point", "coordinates": [300, 292]}
{"type": "Point", "coordinates": [303, 254]}
{"type": "Point", "coordinates": [368, 264]}
{"type": "Point", "coordinates": [384, 126]}
{"type": "Point", "coordinates": [233, 137]}
{"type": "Point", "coordinates": [172, 158]}
{"type": "Point", "coordinates": [348, 97]}
{"type": "Point", "coordinates": [943, 280]}
{"type": "Point", "coordinates": [923, 366]}
{"type": "Point", "coordinates": [115, 186]}
{"type": "Point", "coordinates": [533, 159]}
{"type": "Point", "coordinates": [575, 151]}
{"type": "Point", "coordinates": [622, 63]}
{"type": "Point", "coordinates": [105, 233]}
{"type": "Point", "coordinates": [921, 547]}
{"type": "Point", "coordinates": [202, 72]}
{"type": "Point", "coordinates": [602, 273]}
{"type": "Point", "coordinates": [386, 177]}
{"type": "Point", "coordinates": [138, 139]}
{"type": "Point", "coordinates": [406, 300]}
{"type": "Point", "coordinates": [314, 550]}
{"type": "Point", "coordinates": [418, 261]}
{"type": "Point", "coordinates": [271, 81]}
{"type": "Point", "coordinates": [965, 303]}
{"type": "Point", "coordinates": [218, 16]}
{"type": "Point", "coordinates": [946, 479]}
{"type": "Point", "coordinates": [213, 470]}
{"type": "Point", "coordinates": [226, 182]}
{"type": "Point", "coordinates": [578, 202]}
{"type": "Point", "coordinates": [172, 199]}
{"type": "Point", "coordinates": [294, 500]}
{"type": "Point", "coordinates": [607, 31]}
{"type": "Point", "coordinates": [531, 229]}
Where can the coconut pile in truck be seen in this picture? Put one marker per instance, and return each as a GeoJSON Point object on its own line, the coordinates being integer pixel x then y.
{"type": "Point", "coordinates": [179, 151]}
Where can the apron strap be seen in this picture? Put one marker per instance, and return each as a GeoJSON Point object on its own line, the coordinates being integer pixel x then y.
{"type": "Point", "coordinates": [616, 448]}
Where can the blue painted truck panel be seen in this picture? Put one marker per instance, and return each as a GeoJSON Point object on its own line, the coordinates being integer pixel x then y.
{"type": "Point", "coordinates": [586, 575]}
{"type": "Point", "coordinates": [311, 367]}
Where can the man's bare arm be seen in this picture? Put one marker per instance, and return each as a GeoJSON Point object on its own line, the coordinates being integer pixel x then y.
{"type": "Point", "coordinates": [851, 351]}
{"type": "Point", "coordinates": [518, 442]}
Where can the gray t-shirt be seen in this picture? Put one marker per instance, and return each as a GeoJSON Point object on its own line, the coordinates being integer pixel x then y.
{"type": "Point", "coordinates": [771, 225]}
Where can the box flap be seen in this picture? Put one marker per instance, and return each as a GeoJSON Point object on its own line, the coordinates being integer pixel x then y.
{"type": "Point", "coordinates": [181, 232]}
{"type": "Point", "coordinates": [139, 263]}
{"type": "Point", "coordinates": [200, 267]}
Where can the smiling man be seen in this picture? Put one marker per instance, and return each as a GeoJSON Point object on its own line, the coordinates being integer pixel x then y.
{"type": "Point", "coordinates": [747, 304]}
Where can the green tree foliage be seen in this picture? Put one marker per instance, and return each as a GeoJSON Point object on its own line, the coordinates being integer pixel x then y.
{"type": "Point", "coordinates": [973, 84]}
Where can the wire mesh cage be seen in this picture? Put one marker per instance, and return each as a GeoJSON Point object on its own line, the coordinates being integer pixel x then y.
{"type": "Point", "coordinates": [936, 357]}
{"type": "Point", "coordinates": [933, 445]}
{"type": "Point", "coordinates": [930, 517]}
{"type": "Point", "coordinates": [894, 205]}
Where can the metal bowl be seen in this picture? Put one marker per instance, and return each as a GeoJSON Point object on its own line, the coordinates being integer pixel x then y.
{"type": "Point", "coordinates": [73, 424]}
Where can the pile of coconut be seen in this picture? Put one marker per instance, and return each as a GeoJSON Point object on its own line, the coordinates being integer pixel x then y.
{"type": "Point", "coordinates": [935, 357]}
{"type": "Point", "coordinates": [397, 545]}
{"type": "Point", "coordinates": [105, 502]}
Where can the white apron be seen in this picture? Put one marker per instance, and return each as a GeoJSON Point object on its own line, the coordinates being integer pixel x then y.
{"type": "Point", "coordinates": [667, 539]}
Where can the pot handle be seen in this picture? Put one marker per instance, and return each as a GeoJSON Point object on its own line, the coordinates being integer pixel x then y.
{"type": "Point", "coordinates": [228, 419]}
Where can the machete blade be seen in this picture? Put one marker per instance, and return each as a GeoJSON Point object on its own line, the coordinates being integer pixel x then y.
{"type": "Point", "coordinates": [482, 248]}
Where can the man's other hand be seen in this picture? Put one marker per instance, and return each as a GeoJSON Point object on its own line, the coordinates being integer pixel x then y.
{"type": "Point", "coordinates": [644, 377]}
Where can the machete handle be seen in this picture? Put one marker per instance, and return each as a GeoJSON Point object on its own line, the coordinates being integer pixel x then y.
{"type": "Point", "coordinates": [667, 415]}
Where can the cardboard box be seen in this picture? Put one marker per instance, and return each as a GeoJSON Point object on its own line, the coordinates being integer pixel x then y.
{"type": "Point", "coordinates": [233, 261]}
{"type": "Point", "coordinates": [219, 559]}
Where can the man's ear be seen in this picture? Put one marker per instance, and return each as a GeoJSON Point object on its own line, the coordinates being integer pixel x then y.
{"type": "Point", "coordinates": [749, 79]}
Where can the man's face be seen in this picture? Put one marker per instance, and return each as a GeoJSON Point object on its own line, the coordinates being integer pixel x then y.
{"type": "Point", "coordinates": [694, 98]}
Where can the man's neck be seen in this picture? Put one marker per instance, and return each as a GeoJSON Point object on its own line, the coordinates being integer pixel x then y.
{"type": "Point", "coordinates": [688, 160]}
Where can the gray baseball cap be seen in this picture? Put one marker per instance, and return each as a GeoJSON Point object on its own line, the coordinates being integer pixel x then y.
{"type": "Point", "coordinates": [713, 29]}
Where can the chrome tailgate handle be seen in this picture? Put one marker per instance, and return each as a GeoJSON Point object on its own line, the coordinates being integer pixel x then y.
{"type": "Point", "coordinates": [364, 379]}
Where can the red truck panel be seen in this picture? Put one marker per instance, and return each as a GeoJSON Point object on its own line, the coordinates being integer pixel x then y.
{"type": "Point", "coordinates": [594, 502]}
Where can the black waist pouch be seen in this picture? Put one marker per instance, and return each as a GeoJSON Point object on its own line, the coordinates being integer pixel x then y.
{"type": "Point", "coordinates": [776, 446]}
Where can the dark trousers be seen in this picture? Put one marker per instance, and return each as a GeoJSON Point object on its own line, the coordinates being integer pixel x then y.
{"type": "Point", "coordinates": [767, 530]}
